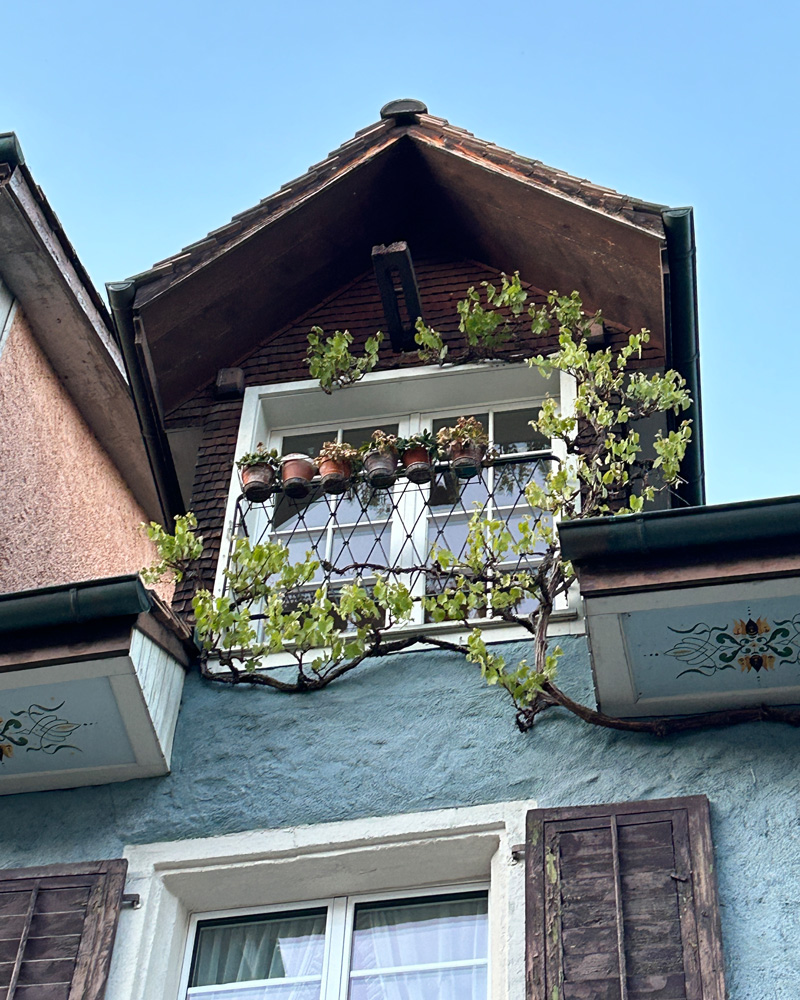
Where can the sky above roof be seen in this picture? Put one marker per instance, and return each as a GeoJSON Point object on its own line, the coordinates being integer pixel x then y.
{"type": "Point", "coordinates": [148, 126]}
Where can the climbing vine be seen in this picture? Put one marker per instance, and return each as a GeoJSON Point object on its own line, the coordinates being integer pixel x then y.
{"type": "Point", "coordinates": [600, 465]}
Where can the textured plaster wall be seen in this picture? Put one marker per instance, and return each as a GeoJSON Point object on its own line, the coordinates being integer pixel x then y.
{"type": "Point", "coordinates": [66, 513]}
{"type": "Point", "coordinates": [421, 733]}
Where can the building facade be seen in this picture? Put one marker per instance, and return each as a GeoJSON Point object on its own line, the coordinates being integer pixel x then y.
{"type": "Point", "coordinates": [394, 835]}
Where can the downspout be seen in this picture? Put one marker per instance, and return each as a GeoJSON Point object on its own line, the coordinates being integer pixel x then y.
{"type": "Point", "coordinates": [145, 398]}
{"type": "Point", "coordinates": [683, 351]}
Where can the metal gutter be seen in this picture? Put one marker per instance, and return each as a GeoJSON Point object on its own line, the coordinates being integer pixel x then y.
{"type": "Point", "coordinates": [145, 397]}
{"type": "Point", "coordinates": [71, 603]}
{"type": "Point", "coordinates": [680, 531]}
{"type": "Point", "coordinates": [683, 352]}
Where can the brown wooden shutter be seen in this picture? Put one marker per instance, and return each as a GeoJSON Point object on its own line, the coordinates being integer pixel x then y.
{"type": "Point", "coordinates": [621, 903]}
{"type": "Point", "coordinates": [57, 927]}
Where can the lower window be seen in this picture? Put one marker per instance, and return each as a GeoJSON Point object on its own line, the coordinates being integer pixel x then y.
{"type": "Point", "coordinates": [418, 947]}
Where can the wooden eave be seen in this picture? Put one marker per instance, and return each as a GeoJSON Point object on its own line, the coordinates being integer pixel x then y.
{"type": "Point", "coordinates": [71, 324]}
{"type": "Point", "coordinates": [435, 186]}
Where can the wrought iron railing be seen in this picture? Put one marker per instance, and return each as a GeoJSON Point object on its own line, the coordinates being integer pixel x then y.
{"type": "Point", "coordinates": [367, 531]}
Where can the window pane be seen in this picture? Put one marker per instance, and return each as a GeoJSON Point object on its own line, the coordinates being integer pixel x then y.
{"type": "Point", "coordinates": [357, 436]}
{"type": "Point", "coordinates": [467, 983]}
{"type": "Point", "coordinates": [513, 432]}
{"type": "Point", "coordinates": [281, 947]}
{"type": "Point", "coordinates": [423, 949]}
{"type": "Point", "coordinates": [279, 990]}
{"type": "Point", "coordinates": [306, 444]}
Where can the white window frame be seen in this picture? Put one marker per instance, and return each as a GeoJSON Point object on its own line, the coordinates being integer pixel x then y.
{"type": "Point", "coordinates": [384, 396]}
{"type": "Point", "coordinates": [338, 932]}
{"type": "Point", "coordinates": [456, 849]}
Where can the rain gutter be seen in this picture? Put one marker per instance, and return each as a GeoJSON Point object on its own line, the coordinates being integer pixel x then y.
{"type": "Point", "coordinates": [141, 378]}
{"type": "Point", "coordinates": [738, 526]}
{"type": "Point", "coordinates": [69, 604]}
{"type": "Point", "coordinates": [683, 352]}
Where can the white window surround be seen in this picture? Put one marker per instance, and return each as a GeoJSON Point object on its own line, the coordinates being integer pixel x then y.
{"type": "Point", "coordinates": [294, 406]}
{"type": "Point", "coordinates": [8, 309]}
{"type": "Point", "coordinates": [385, 854]}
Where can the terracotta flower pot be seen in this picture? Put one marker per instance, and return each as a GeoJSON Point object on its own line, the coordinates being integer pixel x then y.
{"type": "Point", "coordinates": [380, 468]}
{"type": "Point", "coordinates": [335, 475]}
{"type": "Point", "coordinates": [258, 482]}
{"type": "Point", "coordinates": [465, 459]}
{"type": "Point", "coordinates": [297, 471]}
{"type": "Point", "coordinates": [417, 463]}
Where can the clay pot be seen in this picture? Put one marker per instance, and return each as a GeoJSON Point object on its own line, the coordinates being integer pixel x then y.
{"type": "Point", "coordinates": [417, 463]}
{"type": "Point", "coordinates": [465, 459]}
{"type": "Point", "coordinates": [258, 482]}
{"type": "Point", "coordinates": [335, 475]}
{"type": "Point", "coordinates": [380, 468]}
{"type": "Point", "coordinates": [297, 471]}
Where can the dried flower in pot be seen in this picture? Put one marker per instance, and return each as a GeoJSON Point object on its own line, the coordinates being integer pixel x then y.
{"type": "Point", "coordinates": [336, 461]}
{"type": "Point", "coordinates": [297, 471]}
{"type": "Point", "coordinates": [258, 471]}
{"type": "Point", "coordinates": [380, 459]}
{"type": "Point", "coordinates": [418, 454]}
{"type": "Point", "coordinates": [465, 444]}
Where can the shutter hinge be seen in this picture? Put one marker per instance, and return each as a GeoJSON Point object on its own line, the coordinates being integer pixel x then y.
{"type": "Point", "coordinates": [518, 852]}
{"type": "Point", "coordinates": [132, 900]}
{"type": "Point", "coordinates": [680, 878]}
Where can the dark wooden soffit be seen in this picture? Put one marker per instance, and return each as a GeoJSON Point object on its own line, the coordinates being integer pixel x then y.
{"type": "Point", "coordinates": [432, 187]}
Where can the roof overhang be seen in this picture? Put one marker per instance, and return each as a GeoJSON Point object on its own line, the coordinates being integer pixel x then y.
{"type": "Point", "coordinates": [691, 610]}
{"type": "Point", "coordinates": [68, 319]}
{"type": "Point", "coordinates": [91, 676]}
{"type": "Point", "coordinates": [442, 193]}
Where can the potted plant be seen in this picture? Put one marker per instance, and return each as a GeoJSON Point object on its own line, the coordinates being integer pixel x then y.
{"type": "Point", "coordinates": [336, 461]}
{"type": "Point", "coordinates": [417, 454]}
{"type": "Point", "coordinates": [258, 470]}
{"type": "Point", "coordinates": [465, 444]}
{"type": "Point", "coordinates": [297, 471]}
{"type": "Point", "coordinates": [380, 459]}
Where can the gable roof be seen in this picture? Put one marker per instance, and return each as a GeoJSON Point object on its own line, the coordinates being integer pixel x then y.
{"type": "Point", "coordinates": [410, 177]}
{"type": "Point", "coordinates": [426, 129]}
{"type": "Point", "coordinates": [407, 177]}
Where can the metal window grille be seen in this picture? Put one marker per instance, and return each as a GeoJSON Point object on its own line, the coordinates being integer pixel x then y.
{"type": "Point", "coordinates": [366, 531]}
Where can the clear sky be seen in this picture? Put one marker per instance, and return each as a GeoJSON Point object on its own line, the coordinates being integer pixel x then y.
{"type": "Point", "coordinates": [150, 124]}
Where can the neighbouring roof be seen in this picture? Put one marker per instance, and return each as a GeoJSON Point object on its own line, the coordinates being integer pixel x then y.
{"type": "Point", "coordinates": [68, 317]}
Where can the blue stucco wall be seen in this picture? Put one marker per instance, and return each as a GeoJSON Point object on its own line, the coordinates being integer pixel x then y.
{"type": "Point", "coordinates": [422, 732]}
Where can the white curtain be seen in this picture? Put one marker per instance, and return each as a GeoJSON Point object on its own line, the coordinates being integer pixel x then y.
{"type": "Point", "coordinates": [282, 948]}
{"type": "Point", "coordinates": [403, 937]}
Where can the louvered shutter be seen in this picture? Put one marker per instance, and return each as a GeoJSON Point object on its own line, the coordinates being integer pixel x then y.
{"type": "Point", "coordinates": [621, 903]}
{"type": "Point", "coordinates": [57, 927]}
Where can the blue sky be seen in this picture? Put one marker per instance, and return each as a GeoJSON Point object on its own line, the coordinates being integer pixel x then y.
{"type": "Point", "coordinates": [148, 125]}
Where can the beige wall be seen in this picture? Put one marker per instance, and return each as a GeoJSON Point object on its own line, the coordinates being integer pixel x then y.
{"type": "Point", "coordinates": [66, 514]}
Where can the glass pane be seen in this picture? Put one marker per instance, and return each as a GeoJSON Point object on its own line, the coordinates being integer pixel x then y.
{"type": "Point", "coordinates": [277, 947]}
{"type": "Point", "coordinates": [510, 481]}
{"type": "Point", "coordinates": [441, 422]}
{"type": "Point", "coordinates": [413, 933]}
{"type": "Point", "coordinates": [303, 990]}
{"type": "Point", "coordinates": [513, 432]}
{"type": "Point", "coordinates": [361, 545]}
{"type": "Point", "coordinates": [397, 948]}
{"type": "Point", "coordinates": [312, 511]}
{"type": "Point", "coordinates": [307, 444]}
{"type": "Point", "coordinates": [448, 533]}
{"type": "Point", "coordinates": [468, 983]}
{"type": "Point", "coordinates": [357, 436]}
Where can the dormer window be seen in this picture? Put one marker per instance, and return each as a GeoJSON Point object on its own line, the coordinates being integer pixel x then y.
{"type": "Point", "coordinates": [365, 531]}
